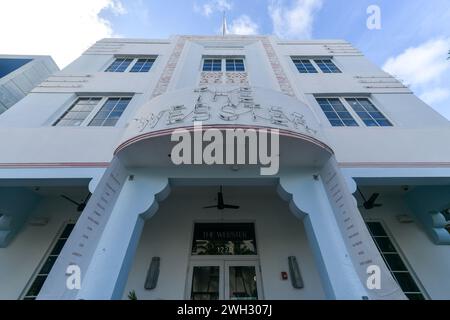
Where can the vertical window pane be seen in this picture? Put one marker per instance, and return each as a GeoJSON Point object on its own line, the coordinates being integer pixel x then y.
{"type": "Point", "coordinates": [143, 65]}
{"type": "Point", "coordinates": [368, 113]}
{"type": "Point", "coordinates": [210, 65]}
{"type": "Point", "coordinates": [119, 65]}
{"type": "Point", "coordinates": [336, 112]}
{"type": "Point", "coordinates": [205, 283]}
{"type": "Point", "coordinates": [44, 271]}
{"type": "Point", "coordinates": [327, 66]}
{"type": "Point", "coordinates": [394, 261]}
{"type": "Point", "coordinates": [110, 113]}
{"type": "Point", "coordinates": [243, 283]}
{"type": "Point", "coordinates": [78, 112]}
{"type": "Point", "coordinates": [304, 66]}
{"type": "Point", "coordinates": [233, 65]}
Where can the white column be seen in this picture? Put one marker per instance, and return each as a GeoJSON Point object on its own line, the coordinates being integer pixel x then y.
{"type": "Point", "coordinates": [309, 201]}
{"type": "Point", "coordinates": [107, 274]}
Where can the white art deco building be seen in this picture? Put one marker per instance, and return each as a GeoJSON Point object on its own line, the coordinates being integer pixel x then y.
{"type": "Point", "coordinates": [359, 208]}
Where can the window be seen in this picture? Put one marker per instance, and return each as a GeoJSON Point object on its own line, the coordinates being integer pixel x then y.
{"type": "Point", "coordinates": [311, 65]}
{"type": "Point", "coordinates": [110, 113]}
{"type": "Point", "coordinates": [44, 271]}
{"type": "Point", "coordinates": [394, 261]}
{"type": "Point", "coordinates": [231, 64]}
{"type": "Point", "coordinates": [130, 64]}
{"type": "Point", "coordinates": [210, 65]}
{"type": "Point", "coordinates": [76, 115]}
{"type": "Point", "coordinates": [143, 65]}
{"type": "Point", "coordinates": [120, 65]}
{"type": "Point", "coordinates": [368, 113]}
{"type": "Point", "coordinates": [107, 112]}
{"type": "Point", "coordinates": [304, 66]}
{"type": "Point", "coordinates": [327, 66]}
{"type": "Point", "coordinates": [336, 112]}
{"type": "Point", "coordinates": [235, 65]}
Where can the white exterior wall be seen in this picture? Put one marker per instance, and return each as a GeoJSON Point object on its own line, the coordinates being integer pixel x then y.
{"type": "Point", "coordinates": [22, 258]}
{"type": "Point", "coordinates": [429, 262]}
{"type": "Point", "coordinates": [423, 127]}
{"type": "Point", "coordinates": [279, 234]}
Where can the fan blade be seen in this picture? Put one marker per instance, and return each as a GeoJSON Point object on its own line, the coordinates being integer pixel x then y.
{"type": "Point", "coordinates": [71, 200]}
{"type": "Point", "coordinates": [87, 198]}
{"type": "Point", "coordinates": [209, 207]}
{"type": "Point", "coordinates": [220, 201]}
{"type": "Point", "coordinates": [373, 198]}
{"type": "Point", "coordinates": [229, 206]}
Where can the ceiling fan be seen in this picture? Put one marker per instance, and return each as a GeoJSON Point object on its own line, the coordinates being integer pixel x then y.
{"type": "Point", "coordinates": [80, 206]}
{"type": "Point", "coordinates": [221, 204]}
{"type": "Point", "coordinates": [370, 204]}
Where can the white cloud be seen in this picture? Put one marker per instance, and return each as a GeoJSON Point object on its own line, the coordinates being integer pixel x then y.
{"type": "Point", "coordinates": [293, 20]}
{"type": "Point", "coordinates": [60, 28]}
{"type": "Point", "coordinates": [435, 96]}
{"type": "Point", "coordinates": [420, 65]}
{"type": "Point", "coordinates": [425, 69]}
{"type": "Point", "coordinates": [212, 6]}
{"type": "Point", "coordinates": [243, 25]}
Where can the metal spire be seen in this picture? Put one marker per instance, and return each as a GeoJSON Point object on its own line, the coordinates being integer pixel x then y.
{"type": "Point", "coordinates": [224, 25]}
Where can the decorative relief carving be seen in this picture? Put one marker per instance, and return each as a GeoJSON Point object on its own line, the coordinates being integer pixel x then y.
{"type": "Point", "coordinates": [236, 78]}
{"type": "Point", "coordinates": [211, 78]}
{"type": "Point", "coordinates": [283, 81]}
{"type": "Point", "coordinates": [231, 105]}
{"type": "Point", "coordinates": [240, 78]}
{"type": "Point", "coordinates": [167, 74]}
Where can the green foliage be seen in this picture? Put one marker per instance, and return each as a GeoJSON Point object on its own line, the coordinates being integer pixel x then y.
{"type": "Point", "coordinates": [132, 295]}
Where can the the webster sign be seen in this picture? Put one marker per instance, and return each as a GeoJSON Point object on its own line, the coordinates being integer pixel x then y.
{"type": "Point", "coordinates": [237, 105]}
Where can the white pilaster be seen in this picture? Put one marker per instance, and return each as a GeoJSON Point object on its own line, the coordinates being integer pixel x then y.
{"type": "Point", "coordinates": [308, 201]}
{"type": "Point", "coordinates": [108, 270]}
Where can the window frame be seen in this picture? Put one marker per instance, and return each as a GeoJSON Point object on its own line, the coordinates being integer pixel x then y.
{"type": "Point", "coordinates": [312, 60]}
{"type": "Point", "coordinates": [345, 106]}
{"type": "Point", "coordinates": [410, 269]}
{"type": "Point", "coordinates": [374, 105]}
{"type": "Point", "coordinates": [223, 64]}
{"type": "Point", "coordinates": [93, 113]}
{"type": "Point", "coordinates": [135, 60]}
{"type": "Point", "coordinates": [356, 117]}
{"type": "Point", "coordinates": [46, 256]}
{"type": "Point", "coordinates": [326, 58]}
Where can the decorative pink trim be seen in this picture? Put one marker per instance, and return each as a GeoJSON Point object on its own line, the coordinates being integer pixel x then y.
{"type": "Point", "coordinates": [166, 76]}
{"type": "Point", "coordinates": [283, 81]}
{"type": "Point", "coordinates": [55, 165]}
{"type": "Point", "coordinates": [166, 132]}
{"type": "Point", "coordinates": [394, 164]}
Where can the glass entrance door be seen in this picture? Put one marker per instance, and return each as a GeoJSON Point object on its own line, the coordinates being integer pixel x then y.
{"type": "Point", "coordinates": [206, 281]}
{"type": "Point", "coordinates": [242, 280]}
{"type": "Point", "coordinates": [224, 280]}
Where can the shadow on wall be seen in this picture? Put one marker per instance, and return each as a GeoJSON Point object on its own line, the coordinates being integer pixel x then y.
{"type": "Point", "coordinates": [428, 204]}
{"type": "Point", "coordinates": [16, 204]}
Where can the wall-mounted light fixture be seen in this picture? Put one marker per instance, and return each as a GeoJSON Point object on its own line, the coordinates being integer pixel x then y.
{"type": "Point", "coordinates": [152, 274]}
{"type": "Point", "coordinates": [294, 271]}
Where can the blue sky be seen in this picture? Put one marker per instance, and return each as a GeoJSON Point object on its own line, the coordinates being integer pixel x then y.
{"type": "Point", "coordinates": [412, 43]}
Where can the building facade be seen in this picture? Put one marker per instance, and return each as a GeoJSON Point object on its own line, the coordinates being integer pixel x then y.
{"type": "Point", "coordinates": [21, 74]}
{"type": "Point", "coordinates": [94, 205]}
